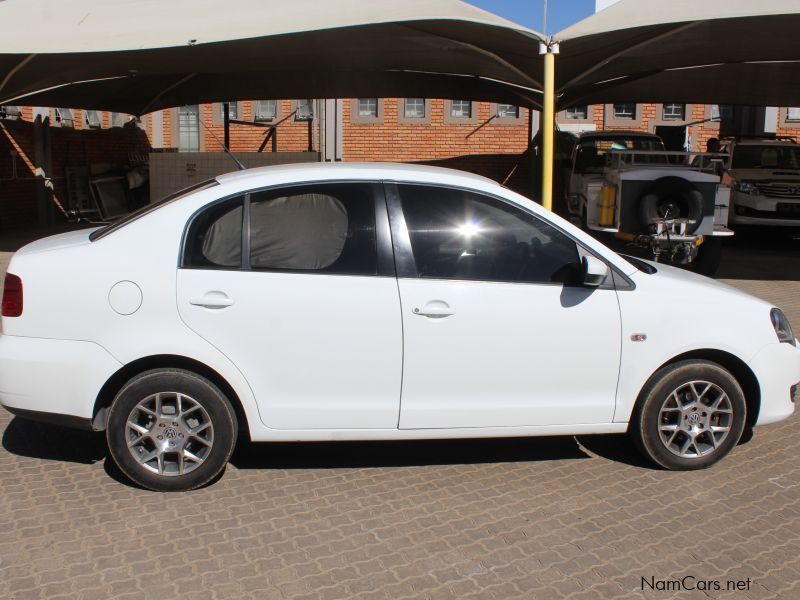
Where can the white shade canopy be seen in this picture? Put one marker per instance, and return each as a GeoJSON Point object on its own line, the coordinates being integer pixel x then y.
{"type": "Point", "coordinates": [136, 56]}
{"type": "Point", "coordinates": [702, 51]}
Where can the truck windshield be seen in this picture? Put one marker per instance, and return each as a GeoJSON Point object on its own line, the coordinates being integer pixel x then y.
{"type": "Point", "coordinates": [591, 154]}
{"type": "Point", "coordinates": [766, 157]}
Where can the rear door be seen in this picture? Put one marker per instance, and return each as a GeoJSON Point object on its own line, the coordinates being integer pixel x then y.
{"type": "Point", "coordinates": [296, 286]}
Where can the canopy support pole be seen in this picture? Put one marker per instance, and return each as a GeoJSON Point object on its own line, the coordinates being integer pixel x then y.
{"type": "Point", "coordinates": [549, 51]}
{"type": "Point", "coordinates": [226, 121]}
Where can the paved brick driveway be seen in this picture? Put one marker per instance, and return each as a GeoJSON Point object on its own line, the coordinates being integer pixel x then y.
{"type": "Point", "coordinates": [539, 518]}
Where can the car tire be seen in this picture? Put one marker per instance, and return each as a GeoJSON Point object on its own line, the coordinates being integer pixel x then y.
{"type": "Point", "coordinates": [690, 415]}
{"type": "Point", "coordinates": [171, 430]}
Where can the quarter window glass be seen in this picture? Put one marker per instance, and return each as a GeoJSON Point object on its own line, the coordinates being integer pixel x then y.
{"type": "Point", "coordinates": [457, 234]}
{"type": "Point", "coordinates": [328, 228]}
{"type": "Point", "coordinates": [215, 237]}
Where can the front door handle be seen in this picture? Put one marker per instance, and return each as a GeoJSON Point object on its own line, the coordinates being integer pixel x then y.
{"type": "Point", "coordinates": [212, 300]}
{"type": "Point", "coordinates": [436, 309]}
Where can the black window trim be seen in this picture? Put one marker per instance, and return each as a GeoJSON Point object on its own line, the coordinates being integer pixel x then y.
{"type": "Point", "coordinates": [385, 265]}
{"type": "Point", "coordinates": [406, 266]}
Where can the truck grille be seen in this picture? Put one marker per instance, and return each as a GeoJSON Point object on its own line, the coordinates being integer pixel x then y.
{"type": "Point", "coordinates": [780, 190]}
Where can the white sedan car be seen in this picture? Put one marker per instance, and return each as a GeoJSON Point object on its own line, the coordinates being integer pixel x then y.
{"type": "Point", "coordinates": [366, 302]}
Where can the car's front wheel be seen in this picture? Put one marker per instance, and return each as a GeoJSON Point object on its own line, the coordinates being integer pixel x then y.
{"type": "Point", "coordinates": [171, 430]}
{"type": "Point", "coordinates": [689, 415]}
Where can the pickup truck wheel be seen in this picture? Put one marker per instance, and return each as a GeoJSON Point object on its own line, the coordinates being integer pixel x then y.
{"type": "Point", "coordinates": [709, 255]}
{"type": "Point", "coordinates": [171, 430]}
{"type": "Point", "coordinates": [690, 415]}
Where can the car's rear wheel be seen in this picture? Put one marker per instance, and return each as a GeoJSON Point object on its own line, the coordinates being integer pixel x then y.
{"type": "Point", "coordinates": [690, 415]}
{"type": "Point", "coordinates": [171, 430]}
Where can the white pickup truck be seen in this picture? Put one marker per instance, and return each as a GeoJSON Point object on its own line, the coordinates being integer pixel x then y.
{"type": "Point", "coordinates": [671, 204]}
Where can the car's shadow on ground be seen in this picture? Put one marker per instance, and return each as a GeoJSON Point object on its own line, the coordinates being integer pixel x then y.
{"type": "Point", "coordinates": [50, 442]}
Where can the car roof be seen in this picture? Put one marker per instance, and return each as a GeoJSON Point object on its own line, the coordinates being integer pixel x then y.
{"type": "Point", "coordinates": [355, 170]}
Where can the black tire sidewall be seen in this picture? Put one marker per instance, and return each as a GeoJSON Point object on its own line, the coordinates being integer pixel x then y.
{"type": "Point", "coordinates": [198, 388]}
{"type": "Point", "coordinates": [645, 430]}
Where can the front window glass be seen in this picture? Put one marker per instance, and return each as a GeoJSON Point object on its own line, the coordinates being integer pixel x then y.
{"type": "Point", "coordinates": [325, 227]}
{"type": "Point", "coordinates": [457, 234]}
{"type": "Point", "coordinates": [747, 156]}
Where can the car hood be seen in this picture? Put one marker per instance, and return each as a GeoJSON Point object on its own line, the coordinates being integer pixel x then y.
{"type": "Point", "coordinates": [677, 280]}
{"type": "Point", "coordinates": [58, 242]}
{"type": "Point", "coordinates": [773, 175]}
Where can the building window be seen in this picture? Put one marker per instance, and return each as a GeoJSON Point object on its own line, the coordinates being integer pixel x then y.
{"type": "Point", "coordinates": [368, 107]}
{"type": "Point", "coordinates": [461, 109]}
{"type": "Point", "coordinates": [507, 111]}
{"type": "Point", "coordinates": [793, 114]}
{"type": "Point", "coordinates": [673, 112]}
{"type": "Point", "coordinates": [10, 112]}
{"type": "Point", "coordinates": [189, 129]}
{"type": "Point", "coordinates": [64, 117]}
{"type": "Point", "coordinates": [625, 111]}
{"type": "Point", "coordinates": [577, 113]}
{"type": "Point", "coordinates": [92, 118]}
{"type": "Point", "coordinates": [265, 110]}
{"type": "Point", "coordinates": [118, 119]}
{"type": "Point", "coordinates": [304, 110]}
{"type": "Point", "coordinates": [414, 108]}
{"type": "Point", "coordinates": [233, 111]}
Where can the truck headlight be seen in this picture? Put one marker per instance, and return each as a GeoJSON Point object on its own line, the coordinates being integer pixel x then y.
{"type": "Point", "coordinates": [745, 187]}
{"type": "Point", "coordinates": [782, 328]}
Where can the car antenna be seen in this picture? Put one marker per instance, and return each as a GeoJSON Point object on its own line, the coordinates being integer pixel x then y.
{"type": "Point", "coordinates": [224, 147]}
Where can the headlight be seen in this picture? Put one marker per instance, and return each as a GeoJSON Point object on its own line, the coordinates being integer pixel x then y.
{"type": "Point", "coordinates": [782, 328]}
{"type": "Point", "coordinates": [744, 187]}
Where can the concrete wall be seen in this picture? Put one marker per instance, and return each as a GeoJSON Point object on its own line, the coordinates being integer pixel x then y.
{"type": "Point", "coordinates": [173, 171]}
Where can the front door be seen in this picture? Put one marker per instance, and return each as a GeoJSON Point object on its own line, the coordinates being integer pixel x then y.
{"type": "Point", "coordinates": [301, 303]}
{"type": "Point", "coordinates": [496, 330]}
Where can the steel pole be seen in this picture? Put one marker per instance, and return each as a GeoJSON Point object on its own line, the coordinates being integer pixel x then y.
{"type": "Point", "coordinates": [548, 126]}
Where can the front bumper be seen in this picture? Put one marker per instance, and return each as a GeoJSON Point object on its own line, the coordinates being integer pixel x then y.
{"type": "Point", "coordinates": [777, 368]}
{"type": "Point", "coordinates": [53, 380]}
{"type": "Point", "coordinates": [762, 210]}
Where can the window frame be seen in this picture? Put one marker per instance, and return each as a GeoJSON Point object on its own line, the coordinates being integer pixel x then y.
{"type": "Point", "coordinates": [296, 111]}
{"type": "Point", "coordinates": [385, 266]}
{"type": "Point", "coordinates": [259, 119]}
{"type": "Point", "coordinates": [610, 120]}
{"type": "Point", "coordinates": [404, 256]}
{"type": "Point", "coordinates": [784, 121]}
{"type": "Point", "coordinates": [449, 119]}
{"type": "Point", "coordinates": [218, 108]}
{"type": "Point", "coordinates": [175, 117]}
{"type": "Point", "coordinates": [423, 120]}
{"type": "Point", "coordinates": [376, 119]}
{"type": "Point", "coordinates": [499, 120]}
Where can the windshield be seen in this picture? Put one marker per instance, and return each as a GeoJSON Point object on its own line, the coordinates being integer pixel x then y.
{"type": "Point", "coordinates": [591, 154]}
{"type": "Point", "coordinates": [122, 221]}
{"type": "Point", "coordinates": [766, 157]}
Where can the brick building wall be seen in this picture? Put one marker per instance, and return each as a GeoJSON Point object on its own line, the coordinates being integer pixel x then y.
{"type": "Point", "coordinates": [69, 147]}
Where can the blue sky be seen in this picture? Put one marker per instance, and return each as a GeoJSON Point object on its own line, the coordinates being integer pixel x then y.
{"type": "Point", "coordinates": [560, 13]}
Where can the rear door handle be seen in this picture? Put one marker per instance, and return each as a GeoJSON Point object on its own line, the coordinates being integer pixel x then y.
{"type": "Point", "coordinates": [212, 300]}
{"type": "Point", "coordinates": [436, 309]}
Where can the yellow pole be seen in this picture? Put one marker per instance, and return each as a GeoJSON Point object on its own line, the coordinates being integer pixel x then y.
{"type": "Point", "coordinates": [548, 125]}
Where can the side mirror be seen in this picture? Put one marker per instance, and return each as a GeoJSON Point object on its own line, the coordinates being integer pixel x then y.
{"type": "Point", "coordinates": [593, 271]}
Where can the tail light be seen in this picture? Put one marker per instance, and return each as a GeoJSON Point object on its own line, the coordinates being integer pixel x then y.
{"type": "Point", "coordinates": [12, 296]}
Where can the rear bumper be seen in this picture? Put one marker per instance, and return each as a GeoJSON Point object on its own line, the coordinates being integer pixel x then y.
{"type": "Point", "coordinates": [777, 368]}
{"type": "Point", "coordinates": [53, 380]}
